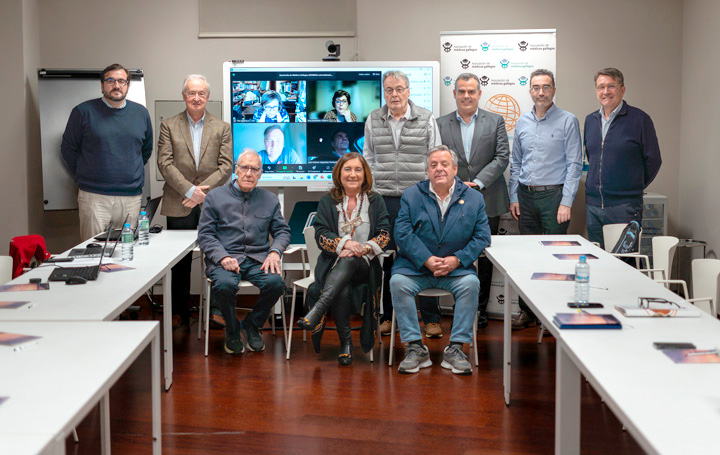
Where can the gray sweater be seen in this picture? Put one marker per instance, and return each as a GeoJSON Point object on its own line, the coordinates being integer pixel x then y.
{"type": "Point", "coordinates": [237, 224]}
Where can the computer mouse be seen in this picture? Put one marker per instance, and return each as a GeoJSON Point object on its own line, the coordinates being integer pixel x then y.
{"type": "Point", "coordinates": [93, 245]}
{"type": "Point", "coordinates": [76, 280]}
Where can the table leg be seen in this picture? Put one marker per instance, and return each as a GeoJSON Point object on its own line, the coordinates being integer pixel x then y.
{"type": "Point", "coordinates": [507, 339]}
{"type": "Point", "coordinates": [105, 424]}
{"type": "Point", "coordinates": [167, 329]}
{"type": "Point", "coordinates": [567, 404]}
{"type": "Point", "coordinates": [155, 388]}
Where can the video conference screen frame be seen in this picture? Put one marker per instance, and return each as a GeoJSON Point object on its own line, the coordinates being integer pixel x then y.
{"type": "Point", "coordinates": [297, 115]}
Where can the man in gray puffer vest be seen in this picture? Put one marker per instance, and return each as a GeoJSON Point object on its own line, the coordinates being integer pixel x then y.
{"type": "Point", "coordinates": [397, 139]}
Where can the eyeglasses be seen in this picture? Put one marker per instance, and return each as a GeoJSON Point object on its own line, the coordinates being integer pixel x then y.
{"type": "Point", "coordinates": [341, 101]}
{"type": "Point", "coordinates": [544, 88]}
{"type": "Point", "coordinates": [194, 94]}
{"type": "Point", "coordinates": [398, 90]}
{"type": "Point", "coordinates": [120, 82]}
{"type": "Point", "coordinates": [271, 108]}
{"type": "Point", "coordinates": [646, 302]}
{"type": "Point", "coordinates": [611, 87]}
{"type": "Point", "coordinates": [251, 169]}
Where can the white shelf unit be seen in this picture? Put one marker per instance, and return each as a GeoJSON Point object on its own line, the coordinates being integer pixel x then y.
{"type": "Point", "coordinates": [654, 220]}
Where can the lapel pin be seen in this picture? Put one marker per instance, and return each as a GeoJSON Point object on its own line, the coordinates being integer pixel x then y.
{"type": "Point", "coordinates": [461, 202]}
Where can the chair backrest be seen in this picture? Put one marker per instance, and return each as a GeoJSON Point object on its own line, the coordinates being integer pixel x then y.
{"type": "Point", "coordinates": [663, 248]}
{"type": "Point", "coordinates": [298, 219]}
{"type": "Point", "coordinates": [705, 273]}
{"type": "Point", "coordinates": [622, 237]}
{"type": "Point", "coordinates": [313, 250]}
{"type": "Point", "coordinates": [27, 251]}
{"type": "Point", "coordinates": [6, 267]}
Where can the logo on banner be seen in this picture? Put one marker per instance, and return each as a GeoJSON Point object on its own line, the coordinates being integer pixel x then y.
{"type": "Point", "coordinates": [523, 45]}
{"type": "Point", "coordinates": [485, 47]}
{"type": "Point", "coordinates": [506, 106]}
{"type": "Point", "coordinates": [501, 299]}
{"type": "Point", "coordinates": [504, 63]}
{"type": "Point", "coordinates": [447, 47]}
{"type": "Point", "coordinates": [484, 80]}
{"type": "Point", "coordinates": [447, 80]}
{"type": "Point", "coordinates": [465, 63]}
{"type": "Point", "coordinates": [523, 80]}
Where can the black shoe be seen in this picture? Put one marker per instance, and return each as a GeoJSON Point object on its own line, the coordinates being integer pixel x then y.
{"type": "Point", "coordinates": [315, 318]}
{"type": "Point", "coordinates": [341, 314]}
{"type": "Point", "coordinates": [482, 320]}
{"type": "Point", "coordinates": [254, 339]}
{"type": "Point", "coordinates": [234, 344]}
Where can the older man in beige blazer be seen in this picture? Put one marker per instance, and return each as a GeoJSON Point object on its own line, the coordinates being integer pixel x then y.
{"type": "Point", "coordinates": [194, 156]}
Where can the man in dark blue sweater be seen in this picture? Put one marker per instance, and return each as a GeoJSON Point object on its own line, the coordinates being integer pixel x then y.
{"type": "Point", "coordinates": [106, 143]}
{"type": "Point", "coordinates": [624, 156]}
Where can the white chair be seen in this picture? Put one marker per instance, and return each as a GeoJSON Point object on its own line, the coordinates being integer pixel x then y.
{"type": "Point", "coordinates": [611, 235]}
{"type": "Point", "coordinates": [6, 264]}
{"type": "Point", "coordinates": [313, 253]}
{"type": "Point", "coordinates": [432, 293]}
{"type": "Point", "coordinates": [204, 308]}
{"type": "Point", "coordinates": [705, 274]}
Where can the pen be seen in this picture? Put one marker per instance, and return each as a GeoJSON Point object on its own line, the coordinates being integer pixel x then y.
{"type": "Point", "coordinates": [705, 352]}
{"type": "Point", "coordinates": [599, 287]}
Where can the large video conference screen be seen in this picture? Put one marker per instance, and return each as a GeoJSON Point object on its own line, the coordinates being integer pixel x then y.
{"type": "Point", "coordinates": [302, 116]}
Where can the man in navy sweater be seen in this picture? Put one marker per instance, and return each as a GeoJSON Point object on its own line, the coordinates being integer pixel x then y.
{"type": "Point", "coordinates": [624, 156]}
{"type": "Point", "coordinates": [106, 143]}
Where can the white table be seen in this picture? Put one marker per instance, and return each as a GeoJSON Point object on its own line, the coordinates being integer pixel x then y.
{"type": "Point", "coordinates": [668, 408]}
{"type": "Point", "coordinates": [107, 297]}
{"type": "Point", "coordinates": [53, 383]}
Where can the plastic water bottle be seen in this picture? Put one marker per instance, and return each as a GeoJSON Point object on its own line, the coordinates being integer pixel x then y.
{"type": "Point", "coordinates": [143, 229]}
{"type": "Point", "coordinates": [582, 281]}
{"type": "Point", "coordinates": [127, 243]}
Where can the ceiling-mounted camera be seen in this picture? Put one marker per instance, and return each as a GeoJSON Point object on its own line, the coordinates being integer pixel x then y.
{"type": "Point", "coordinates": [333, 52]}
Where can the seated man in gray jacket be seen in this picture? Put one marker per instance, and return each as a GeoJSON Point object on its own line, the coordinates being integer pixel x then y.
{"type": "Point", "coordinates": [233, 232]}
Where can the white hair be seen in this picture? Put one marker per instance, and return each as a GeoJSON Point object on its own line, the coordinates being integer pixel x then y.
{"type": "Point", "coordinates": [196, 76]}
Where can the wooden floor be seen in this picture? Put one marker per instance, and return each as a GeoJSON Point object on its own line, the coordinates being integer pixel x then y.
{"type": "Point", "coordinates": [260, 403]}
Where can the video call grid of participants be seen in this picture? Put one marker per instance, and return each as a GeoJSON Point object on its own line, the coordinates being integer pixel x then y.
{"type": "Point", "coordinates": [297, 122]}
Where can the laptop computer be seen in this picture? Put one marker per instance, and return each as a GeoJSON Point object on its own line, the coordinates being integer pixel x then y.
{"type": "Point", "coordinates": [150, 209]}
{"type": "Point", "coordinates": [90, 273]}
{"type": "Point", "coordinates": [93, 251]}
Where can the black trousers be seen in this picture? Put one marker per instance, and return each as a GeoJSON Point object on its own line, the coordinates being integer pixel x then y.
{"type": "Point", "coordinates": [181, 271]}
{"type": "Point", "coordinates": [337, 287]}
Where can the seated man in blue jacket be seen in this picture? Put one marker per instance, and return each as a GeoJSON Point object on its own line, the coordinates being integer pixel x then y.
{"type": "Point", "coordinates": [440, 230]}
{"type": "Point", "coordinates": [233, 231]}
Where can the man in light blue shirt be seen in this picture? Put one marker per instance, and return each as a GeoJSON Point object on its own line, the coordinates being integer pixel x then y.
{"type": "Point", "coordinates": [545, 167]}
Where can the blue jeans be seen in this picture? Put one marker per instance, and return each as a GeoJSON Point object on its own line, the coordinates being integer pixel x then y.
{"type": "Point", "coordinates": [224, 293]}
{"type": "Point", "coordinates": [597, 217]}
{"type": "Point", "coordinates": [465, 290]}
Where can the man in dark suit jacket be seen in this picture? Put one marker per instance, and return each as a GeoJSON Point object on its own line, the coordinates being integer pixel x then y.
{"type": "Point", "coordinates": [480, 138]}
{"type": "Point", "coordinates": [194, 156]}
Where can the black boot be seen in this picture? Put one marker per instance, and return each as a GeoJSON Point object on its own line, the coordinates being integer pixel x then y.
{"type": "Point", "coordinates": [341, 312]}
{"type": "Point", "coordinates": [314, 319]}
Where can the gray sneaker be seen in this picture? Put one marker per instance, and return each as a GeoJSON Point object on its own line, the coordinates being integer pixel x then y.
{"type": "Point", "coordinates": [416, 357]}
{"type": "Point", "coordinates": [252, 334]}
{"type": "Point", "coordinates": [455, 359]}
{"type": "Point", "coordinates": [233, 344]}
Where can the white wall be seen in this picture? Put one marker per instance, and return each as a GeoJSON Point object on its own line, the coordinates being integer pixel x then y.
{"type": "Point", "coordinates": [699, 163]}
{"type": "Point", "coordinates": [13, 166]}
{"type": "Point", "coordinates": [641, 37]}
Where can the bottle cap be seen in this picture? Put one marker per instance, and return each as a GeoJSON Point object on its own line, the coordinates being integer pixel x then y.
{"type": "Point", "coordinates": [143, 213]}
{"type": "Point", "coordinates": [127, 225]}
{"type": "Point", "coordinates": [583, 258]}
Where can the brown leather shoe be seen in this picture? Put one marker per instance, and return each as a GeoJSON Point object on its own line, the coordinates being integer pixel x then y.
{"type": "Point", "coordinates": [522, 320]}
{"type": "Point", "coordinates": [433, 330]}
{"type": "Point", "coordinates": [217, 321]}
{"type": "Point", "coordinates": [385, 328]}
{"type": "Point", "coordinates": [176, 321]}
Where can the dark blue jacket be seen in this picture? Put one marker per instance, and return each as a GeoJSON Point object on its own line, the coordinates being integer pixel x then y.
{"type": "Point", "coordinates": [237, 224]}
{"type": "Point", "coordinates": [420, 231]}
{"type": "Point", "coordinates": [625, 165]}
